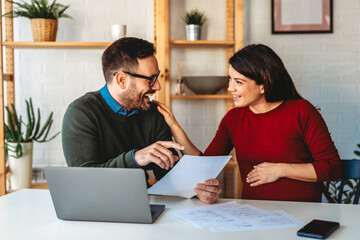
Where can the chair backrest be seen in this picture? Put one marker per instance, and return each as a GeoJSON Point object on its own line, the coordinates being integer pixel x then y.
{"type": "Point", "coordinates": [350, 170]}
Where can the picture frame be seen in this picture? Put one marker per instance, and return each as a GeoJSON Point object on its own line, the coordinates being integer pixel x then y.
{"type": "Point", "coordinates": [304, 16]}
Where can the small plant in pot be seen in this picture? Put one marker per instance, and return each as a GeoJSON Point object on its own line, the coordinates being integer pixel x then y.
{"type": "Point", "coordinates": [350, 186]}
{"type": "Point", "coordinates": [43, 17]}
{"type": "Point", "coordinates": [19, 138]}
{"type": "Point", "coordinates": [194, 19]}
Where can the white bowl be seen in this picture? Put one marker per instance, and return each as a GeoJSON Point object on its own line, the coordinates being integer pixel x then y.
{"type": "Point", "coordinates": [206, 84]}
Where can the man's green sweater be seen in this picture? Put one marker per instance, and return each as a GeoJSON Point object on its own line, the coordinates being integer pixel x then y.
{"type": "Point", "coordinates": [93, 135]}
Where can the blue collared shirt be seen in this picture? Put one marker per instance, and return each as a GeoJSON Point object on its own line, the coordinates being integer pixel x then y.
{"type": "Point", "coordinates": [118, 109]}
{"type": "Point", "coordinates": [114, 105]}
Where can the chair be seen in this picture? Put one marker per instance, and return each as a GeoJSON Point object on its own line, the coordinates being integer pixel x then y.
{"type": "Point", "coordinates": [350, 170]}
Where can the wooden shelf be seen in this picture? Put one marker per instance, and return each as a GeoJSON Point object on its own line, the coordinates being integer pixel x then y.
{"type": "Point", "coordinates": [214, 96]}
{"type": "Point", "coordinates": [40, 185]}
{"type": "Point", "coordinates": [103, 45]}
{"type": "Point", "coordinates": [199, 43]}
{"type": "Point", "coordinates": [8, 77]}
{"type": "Point", "coordinates": [56, 45]}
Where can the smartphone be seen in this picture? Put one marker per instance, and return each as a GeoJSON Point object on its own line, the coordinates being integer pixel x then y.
{"type": "Point", "coordinates": [319, 229]}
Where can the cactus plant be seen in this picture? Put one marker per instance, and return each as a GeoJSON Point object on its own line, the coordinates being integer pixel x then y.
{"type": "Point", "coordinates": [33, 131]}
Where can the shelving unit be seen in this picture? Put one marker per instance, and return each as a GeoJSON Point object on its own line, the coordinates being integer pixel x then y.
{"type": "Point", "coordinates": [201, 43]}
{"type": "Point", "coordinates": [233, 42]}
{"type": "Point", "coordinates": [8, 77]}
{"type": "Point", "coordinates": [56, 45]}
{"type": "Point", "coordinates": [217, 96]}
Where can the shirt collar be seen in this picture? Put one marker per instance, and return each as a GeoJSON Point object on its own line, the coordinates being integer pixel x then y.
{"type": "Point", "coordinates": [114, 105]}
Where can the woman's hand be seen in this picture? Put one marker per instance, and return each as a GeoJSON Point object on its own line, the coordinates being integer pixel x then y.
{"type": "Point", "coordinates": [167, 113]}
{"type": "Point", "coordinates": [270, 172]}
{"type": "Point", "coordinates": [176, 130]}
{"type": "Point", "coordinates": [264, 173]}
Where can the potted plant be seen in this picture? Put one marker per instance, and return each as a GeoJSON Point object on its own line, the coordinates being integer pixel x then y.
{"type": "Point", "coordinates": [193, 19]}
{"type": "Point", "coordinates": [19, 138]}
{"type": "Point", "coordinates": [43, 17]}
{"type": "Point", "coordinates": [349, 186]}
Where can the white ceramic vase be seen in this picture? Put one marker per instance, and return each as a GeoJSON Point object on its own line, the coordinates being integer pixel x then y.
{"type": "Point", "coordinates": [118, 31]}
{"type": "Point", "coordinates": [21, 168]}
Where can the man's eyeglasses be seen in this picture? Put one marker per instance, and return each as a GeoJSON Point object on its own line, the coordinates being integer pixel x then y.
{"type": "Point", "coordinates": [152, 79]}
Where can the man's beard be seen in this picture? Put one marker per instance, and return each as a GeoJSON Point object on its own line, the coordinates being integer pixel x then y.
{"type": "Point", "coordinates": [131, 99]}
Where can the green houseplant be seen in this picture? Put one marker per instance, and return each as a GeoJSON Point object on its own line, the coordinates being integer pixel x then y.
{"type": "Point", "coordinates": [43, 17]}
{"type": "Point", "coordinates": [349, 186]}
{"type": "Point", "coordinates": [357, 152]}
{"type": "Point", "coordinates": [19, 138]}
{"type": "Point", "coordinates": [194, 19]}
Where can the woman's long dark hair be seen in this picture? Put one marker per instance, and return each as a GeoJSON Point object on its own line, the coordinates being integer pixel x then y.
{"type": "Point", "coordinates": [264, 66]}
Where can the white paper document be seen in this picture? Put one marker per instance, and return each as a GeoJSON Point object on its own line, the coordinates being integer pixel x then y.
{"type": "Point", "coordinates": [232, 216]}
{"type": "Point", "coordinates": [189, 171]}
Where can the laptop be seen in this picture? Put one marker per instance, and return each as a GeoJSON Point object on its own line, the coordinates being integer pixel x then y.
{"type": "Point", "coordinates": [101, 194]}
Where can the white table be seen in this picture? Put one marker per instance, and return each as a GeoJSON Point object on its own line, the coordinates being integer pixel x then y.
{"type": "Point", "coordinates": [29, 214]}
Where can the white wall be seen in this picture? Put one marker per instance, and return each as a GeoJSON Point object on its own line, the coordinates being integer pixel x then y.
{"type": "Point", "coordinates": [324, 67]}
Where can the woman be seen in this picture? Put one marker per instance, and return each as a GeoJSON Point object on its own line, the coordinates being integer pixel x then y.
{"type": "Point", "coordinates": [282, 144]}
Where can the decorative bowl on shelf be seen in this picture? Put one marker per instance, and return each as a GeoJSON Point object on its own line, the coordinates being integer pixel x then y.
{"type": "Point", "coordinates": [206, 84]}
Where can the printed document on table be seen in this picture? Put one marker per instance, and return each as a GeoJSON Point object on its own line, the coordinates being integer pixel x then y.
{"type": "Point", "coordinates": [232, 216]}
{"type": "Point", "coordinates": [189, 171]}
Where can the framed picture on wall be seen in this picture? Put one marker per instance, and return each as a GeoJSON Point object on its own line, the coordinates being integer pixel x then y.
{"type": "Point", "coordinates": [302, 16]}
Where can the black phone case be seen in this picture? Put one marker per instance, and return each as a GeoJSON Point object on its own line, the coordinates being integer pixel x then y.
{"type": "Point", "coordinates": [319, 229]}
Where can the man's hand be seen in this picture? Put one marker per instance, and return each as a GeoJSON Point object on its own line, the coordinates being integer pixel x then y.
{"type": "Point", "coordinates": [159, 154]}
{"type": "Point", "coordinates": [264, 173]}
{"type": "Point", "coordinates": [209, 191]}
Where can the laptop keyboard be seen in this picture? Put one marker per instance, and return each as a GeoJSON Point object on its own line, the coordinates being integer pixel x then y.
{"type": "Point", "coordinates": [152, 213]}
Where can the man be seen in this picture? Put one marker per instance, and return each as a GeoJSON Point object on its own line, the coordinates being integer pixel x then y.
{"type": "Point", "coordinates": [119, 126]}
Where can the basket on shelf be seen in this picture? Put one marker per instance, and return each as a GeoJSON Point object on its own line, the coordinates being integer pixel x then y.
{"type": "Point", "coordinates": [44, 29]}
